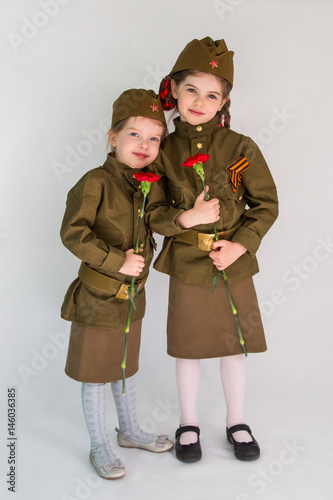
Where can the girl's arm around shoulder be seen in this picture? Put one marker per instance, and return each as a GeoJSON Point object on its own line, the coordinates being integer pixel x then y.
{"type": "Point", "coordinates": [76, 232]}
{"type": "Point", "coordinates": [260, 195]}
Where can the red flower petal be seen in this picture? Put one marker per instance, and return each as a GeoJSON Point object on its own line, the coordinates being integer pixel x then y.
{"type": "Point", "coordinates": [199, 157]}
{"type": "Point", "coordinates": [146, 177]}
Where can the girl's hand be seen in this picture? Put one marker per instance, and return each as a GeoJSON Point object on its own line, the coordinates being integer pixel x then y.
{"type": "Point", "coordinates": [225, 253]}
{"type": "Point", "coordinates": [203, 212]}
{"type": "Point", "coordinates": [133, 264]}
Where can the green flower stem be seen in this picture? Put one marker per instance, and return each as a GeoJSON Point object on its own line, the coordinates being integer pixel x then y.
{"type": "Point", "coordinates": [233, 308]}
{"type": "Point", "coordinates": [140, 216]}
{"type": "Point", "coordinates": [234, 312]}
{"type": "Point", "coordinates": [207, 198]}
{"type": "Point", "coordinates": [205, 190]}
{"type": "Point", "coordinates": [130, 292]}
{"type": "Point", "coordinates": [123, 364]}
{"type": "Point", "coordinates": [215, 232]}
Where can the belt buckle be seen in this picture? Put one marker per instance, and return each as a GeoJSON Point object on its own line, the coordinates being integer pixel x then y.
{"type": "Point", "coordinates": [205, 241]}
{"type": "Point", "coordinates": [122, 293]}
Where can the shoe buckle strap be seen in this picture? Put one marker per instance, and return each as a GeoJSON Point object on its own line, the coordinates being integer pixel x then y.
{"type": "Point", "coordinates": [161, 440]}
{"type": "Point", "coordinates": [239, 427]}
{"type": "Point", "coordinates": [187, 428]}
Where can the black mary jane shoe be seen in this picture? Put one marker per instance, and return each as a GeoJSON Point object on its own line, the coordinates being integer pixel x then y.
{"type": "Point", "coordinates": [188, 452]}
{"type": "Point", "coordinates": [243, 451]}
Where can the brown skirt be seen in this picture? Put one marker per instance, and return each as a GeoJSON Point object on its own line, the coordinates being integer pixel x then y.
{"type": "Point", "coordinates": [201, 323]}
{"type": "Point", "coordinates": [95, 354]}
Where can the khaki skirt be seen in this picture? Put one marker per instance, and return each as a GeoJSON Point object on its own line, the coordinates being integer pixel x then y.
{"type": "Point", "coordinates": [95, 354]}
{"type": "Point", "coordinates": [201, 323]}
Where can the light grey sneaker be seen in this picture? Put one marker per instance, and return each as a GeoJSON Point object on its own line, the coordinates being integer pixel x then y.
{"type": "Point", "coordinates": [161, 444]}
{"type": "Point", "coordinates": [109, 471]}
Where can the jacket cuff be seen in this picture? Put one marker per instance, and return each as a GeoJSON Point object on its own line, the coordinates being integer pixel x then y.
{"type": "Point", "coordinates": [170, 224]}
{"type": "Point", "coordinates": [114, 261]}
{"type": "Point", "coordinates": [248, 239]}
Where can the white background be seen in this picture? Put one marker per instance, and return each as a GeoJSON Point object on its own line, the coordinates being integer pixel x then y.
{"type": "Point", "coordinates": [62, 67]}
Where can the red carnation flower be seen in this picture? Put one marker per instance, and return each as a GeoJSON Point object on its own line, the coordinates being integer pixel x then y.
{"type": "Point", "coordinates": [198, 158]}
{"type": "Point", "coordinates": [146, 177]}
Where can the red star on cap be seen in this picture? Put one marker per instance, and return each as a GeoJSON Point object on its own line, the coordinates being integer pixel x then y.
{"type": "Point", "coordinates": [214, 64]}
{"type": "Point", "coordinates": [154, 107]}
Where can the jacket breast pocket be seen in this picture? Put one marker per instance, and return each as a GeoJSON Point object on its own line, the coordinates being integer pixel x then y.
{"type": "Point", "coordinates": [236, 196]}
{"type": "Point", "coordinates": [176, 194]}
{"type": "Point", "coordinates": [234, 203]}
{"type": "Point", "coordinates": [110, 234]}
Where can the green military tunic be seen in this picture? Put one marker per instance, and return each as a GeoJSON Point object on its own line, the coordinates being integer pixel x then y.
{"type": "Point", "coordinates": [99, 225]}
{"type": "Point", "coordinates": [200, 324]}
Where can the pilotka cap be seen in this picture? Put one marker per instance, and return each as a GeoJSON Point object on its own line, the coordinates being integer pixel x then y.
{"type": "Point", "coordinates": [208, 56]}
{"type": "Point", "coordinates": [137, 102]}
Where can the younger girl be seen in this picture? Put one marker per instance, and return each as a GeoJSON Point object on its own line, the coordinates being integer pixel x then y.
{"type": "Point", "coordinates": [201, 323]}
{"type": "Point", "coordinates": [100, 228]}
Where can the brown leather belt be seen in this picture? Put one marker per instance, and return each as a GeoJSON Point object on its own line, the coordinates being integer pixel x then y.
{"type": "Point", "coordinates": [107, 284]}
{"type": "Point", "coordinates": [205, 241]}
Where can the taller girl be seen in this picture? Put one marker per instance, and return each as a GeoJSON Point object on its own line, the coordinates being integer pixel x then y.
{"type": "Point", "coordinates": [201, 323]}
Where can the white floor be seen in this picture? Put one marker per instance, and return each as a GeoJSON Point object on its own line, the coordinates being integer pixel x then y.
{"type": "Point", "coordinates": [291, 425]}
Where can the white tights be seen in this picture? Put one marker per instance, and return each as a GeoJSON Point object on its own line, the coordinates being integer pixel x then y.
{"type": "Point", "coordinates": [232, 370]}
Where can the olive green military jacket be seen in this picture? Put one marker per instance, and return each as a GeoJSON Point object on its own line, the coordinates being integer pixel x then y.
{"type": "Point", "coordinates": [181, 186]}
{"type": "Point", "coordinates": [99, 225]}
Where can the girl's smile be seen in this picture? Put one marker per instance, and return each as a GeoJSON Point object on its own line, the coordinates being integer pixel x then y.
{"type": "Point", "coordinates": [141, 155]}
{"type": "Point", "coordinates": [199, 97]}
{"type": "Point", "coordinates": [195, 113]}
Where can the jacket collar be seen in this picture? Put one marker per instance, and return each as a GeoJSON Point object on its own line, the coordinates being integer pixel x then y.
{"type": "Point", "coordinates": [121, 171]}
{"type": "Point", "coordinates": [184, 129]}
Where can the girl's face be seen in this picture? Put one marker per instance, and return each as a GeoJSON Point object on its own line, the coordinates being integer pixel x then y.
{"type": "Point", "coordinates": [137, 144]}
{"type": "Point", "coordinates": [199, 97]}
